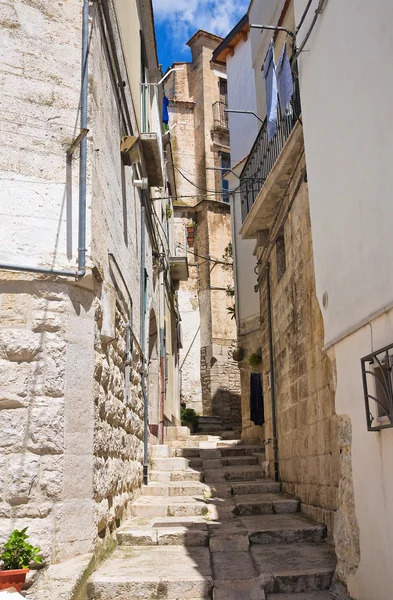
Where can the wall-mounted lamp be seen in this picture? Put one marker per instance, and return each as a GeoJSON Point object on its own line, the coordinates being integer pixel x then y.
{"type": "Point", "coordinates": [141, 183]}
{"type": "Point", "coordinates": [243, 112]}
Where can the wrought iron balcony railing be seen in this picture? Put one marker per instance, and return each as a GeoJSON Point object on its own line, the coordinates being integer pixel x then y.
{"type": "Point", "coordinates": [377, 370]}
{"type": "Point", "coordinates": [220, 117]}
{"type": "Point", "coordinates": [265, 152]}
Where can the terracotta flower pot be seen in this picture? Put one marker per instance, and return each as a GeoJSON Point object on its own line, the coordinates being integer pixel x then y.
{"type": "Point", "coordinates": [13, 578]}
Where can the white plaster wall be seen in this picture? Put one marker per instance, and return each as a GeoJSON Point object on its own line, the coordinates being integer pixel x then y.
{"type": "Point", "coordinates": [372, 463]}
{"type": "Point", "coordinates": [346, 87]}
{"type": "Point", "coordinates": [241, 96]}
{"type": "Point", "coordinates": [346, 91]}
{"type": "Point", "coordinates": [243, 131]}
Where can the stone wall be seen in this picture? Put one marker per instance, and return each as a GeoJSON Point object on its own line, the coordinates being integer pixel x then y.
{"type": "Point", "coordinates": [308, 441]}
{"type": "Point", "coordinates": [46, 414]}
{"type": "Point", "coordinates": [118, 425]}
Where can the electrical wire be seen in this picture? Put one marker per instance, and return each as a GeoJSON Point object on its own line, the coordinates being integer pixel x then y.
{"type": "Point", "coordinates": [207, 258]}
{"type": "Point", "coordinates": [226, 192]}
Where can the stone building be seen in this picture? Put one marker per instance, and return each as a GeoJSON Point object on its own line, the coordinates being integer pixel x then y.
{"type": "Point", "coordinates": [308, 444]}
{"type": "Point", "coordinates": [88, 307]}
{"type": "Point", "coordinates": [198, 128]}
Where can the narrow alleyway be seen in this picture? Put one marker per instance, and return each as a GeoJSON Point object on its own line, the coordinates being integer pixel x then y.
{"type": "Point", "coordinates": [210, 525]}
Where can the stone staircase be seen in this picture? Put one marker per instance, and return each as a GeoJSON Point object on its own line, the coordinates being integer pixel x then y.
{"type": "Point", "coordinates": [210, 526]}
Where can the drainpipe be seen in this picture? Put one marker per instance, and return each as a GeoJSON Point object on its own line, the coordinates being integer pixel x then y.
{"type": "Point", "coordinates": [272, 385]}
{"type": "Point", "coordinates": [81, 272]}
{"type": "Point", "coordinates": [162, 356]}
{"type": "Point", "coordinates": [143, 346]}
{"type": "Point", "coordinates": [83, 148]}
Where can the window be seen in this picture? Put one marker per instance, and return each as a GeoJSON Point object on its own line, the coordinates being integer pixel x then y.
{"type": "Point", "coordinates": [223, 86]}
{"type": "Point", "coordinates": [225, 165]}
{"type": "Point", "coordinates": [378, 388]}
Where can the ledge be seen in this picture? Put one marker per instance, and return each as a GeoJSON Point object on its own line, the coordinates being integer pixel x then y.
{"type": "Point", "coordinates": [151, 153]}
{"type": "Point", "coordinates": [264, 209]}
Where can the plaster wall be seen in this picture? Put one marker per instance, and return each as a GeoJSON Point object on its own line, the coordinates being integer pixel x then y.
{"type": "Point", "coordinates": [352, 205]}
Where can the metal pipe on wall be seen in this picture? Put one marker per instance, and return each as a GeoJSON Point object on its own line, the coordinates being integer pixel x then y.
{"type": "Point", "coordinates": [143, 344]}
{"type": "Point", "coordinates": [81, 272]}
{"type": "Point", "coordinates": [272, 383]}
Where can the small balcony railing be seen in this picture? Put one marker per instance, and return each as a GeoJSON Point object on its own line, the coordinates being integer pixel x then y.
{"type": "Point", "coordinates": [220, 117]}
{"type": "Point", "coordinates": [265, 152]}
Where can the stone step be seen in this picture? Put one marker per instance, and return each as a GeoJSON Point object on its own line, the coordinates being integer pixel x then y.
{"type": "Point", "coordinates": [283, 529]}
{"type": "Point", "coordinates": [306, 596]}
{"type": "Point", "coordinates": [168, 476]}
{"type": "Point", "coordinates": [242, 473]}
{"type": "Point", "coordinates": [160, 451]}
{"type": "Point", "coordinates": [234, 461]}
{"type": "Point", "coordinates": [175, 506]}
{"type": "Point", "coordinates": [169, 464]}
{"type": "Point", "coordinates": [265, 504]}
{"type": "Point", "coordinates": [267, 486]}
{"type": "Point", "coordinates": [172, 532]}
{"type": "Point", "coordinates": [151, 572]}
{"type": "Point", "coordinates": [210, 419]}
{"type": "Point", "coordinates": [222, 452]}
{"type": "Point", "coordinates": [294, 568]}
{"type": "Point", "coordinates": [186, 488]}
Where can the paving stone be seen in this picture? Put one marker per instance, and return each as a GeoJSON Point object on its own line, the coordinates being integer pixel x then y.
{"type": "Point", "coordinates": [263, 504]}
{"type": "Point", "coordinates": [232, 566]}
{"type": "Point", "coordinates": [153, 572]}
{"type": "Point", "coordinates": [306, 596]}
{"type": "Point", "coordinates": [296, 568]}
{"type": "Point", "coordinates": [249, 590]}
{"type": "Point", "coordinates": [169, 464]}
{"type": "Point", "coordinates": [274, 529]}
{"type": "Point", "coordinates": [255, 487]}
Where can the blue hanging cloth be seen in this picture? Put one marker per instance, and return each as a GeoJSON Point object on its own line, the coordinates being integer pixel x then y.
{"type": "Point", "coordinates": [165, 115]}
{"type": "Point", "coordinates": [284, 80]}
{"type": "Point", "coordinates": [269, 72]}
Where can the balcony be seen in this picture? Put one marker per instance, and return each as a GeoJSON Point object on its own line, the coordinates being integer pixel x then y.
{"type": "Point", "coordinates": [268, 167]}
{"type": "Point", "coordinates": [220, 117]}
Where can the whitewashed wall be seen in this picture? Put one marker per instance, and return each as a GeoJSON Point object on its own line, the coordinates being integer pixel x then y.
{"type": "Point", "coordinates": [346, 91]}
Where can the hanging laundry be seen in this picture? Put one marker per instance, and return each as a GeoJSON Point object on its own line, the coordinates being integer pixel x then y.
{"type": "Point", "coordinates": [284, 80]}
{"type": "Point", "coordinates": [269, 72]}
{"type": "Point", "coordinates": [257, 409]}
{"type": "Point", "coordinates": [165, 115]}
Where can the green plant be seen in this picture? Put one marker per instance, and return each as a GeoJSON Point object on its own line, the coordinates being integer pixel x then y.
{"type": "Point", "coordinates": [18, 553]}
{"type": "Point", "coordinates": [230, 291]}
{"type": "Point", "coordinates": [228, 255]}
{"type": "Point", "coordinates": [168, 211]}
{"type": "Point", "coordinates": [255, 359]}
{"type": "Point", "coordinates": [188, 416]}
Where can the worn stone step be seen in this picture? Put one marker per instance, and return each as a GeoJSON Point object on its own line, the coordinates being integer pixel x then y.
{"type": "Point", "coordinates": [169, 464]}
{"type": "Point", "coordinates": [243, 450]}
{"type": "Point", "coordinates": [168, 476]}
{"type": "Point", "coordinates": [195, 463]}
{"type": "Point", "coordinates": [306, 596]}
{"type": "Point", "coordinates": [242, 473]}
{"type": "Point", "coordinates": [238, 461]}
{"type": "Point", "coordinates": [160, 451]}
{"type": "Point", "coordinates": [267, 486]}
{"type": "Point", "coordinates": [265, 504]}
{"type": "Point", "coordinates": [176, 533]}
{"type": "Point", "coordinates": [186, 488]}
{"type": "Point", "coordinates": [176, 506]}
{"type": "Point", "coordinates": [283, 529]}
{"type": "Point", "coordinates": [294, 568]}
{"type": "Point", "coordinates": [151, 572]}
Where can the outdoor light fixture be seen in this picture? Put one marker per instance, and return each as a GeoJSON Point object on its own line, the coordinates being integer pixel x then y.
{"type": "Point", "coordinates": [243, 112]}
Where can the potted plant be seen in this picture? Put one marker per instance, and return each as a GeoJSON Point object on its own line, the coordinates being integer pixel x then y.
{"type": "Point", "coordinates": [16, 558]}
{"type": "Point", "coordinates": [189, 418]}
{"type": "Point", "coordinates": [255, 359]}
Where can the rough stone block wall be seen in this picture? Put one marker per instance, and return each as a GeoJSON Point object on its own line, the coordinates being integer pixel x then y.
{"type": "Point", "coordinates": [45, 409]}
{"type": "Point", "coordinates": [308, 441]}
{"type": "Point", "coordinates": [118, 426]}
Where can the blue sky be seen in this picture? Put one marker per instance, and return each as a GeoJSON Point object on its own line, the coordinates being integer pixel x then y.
{"type": "Point", "coordinates": [177, 20]}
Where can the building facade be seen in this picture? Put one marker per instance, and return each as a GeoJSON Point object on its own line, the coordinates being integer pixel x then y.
{"type": "Point", "coordinates": [349, 182]}
{"type": "Point", "coordinates": [306, 433]}
{"type": "Point", "coordinates": [200, 144]}
{"type": "Point", "coordinates": [88, 333]}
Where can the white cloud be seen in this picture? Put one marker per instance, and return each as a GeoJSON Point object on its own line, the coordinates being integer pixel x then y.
{"type": "Point", "coordinates": [187, 16]}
